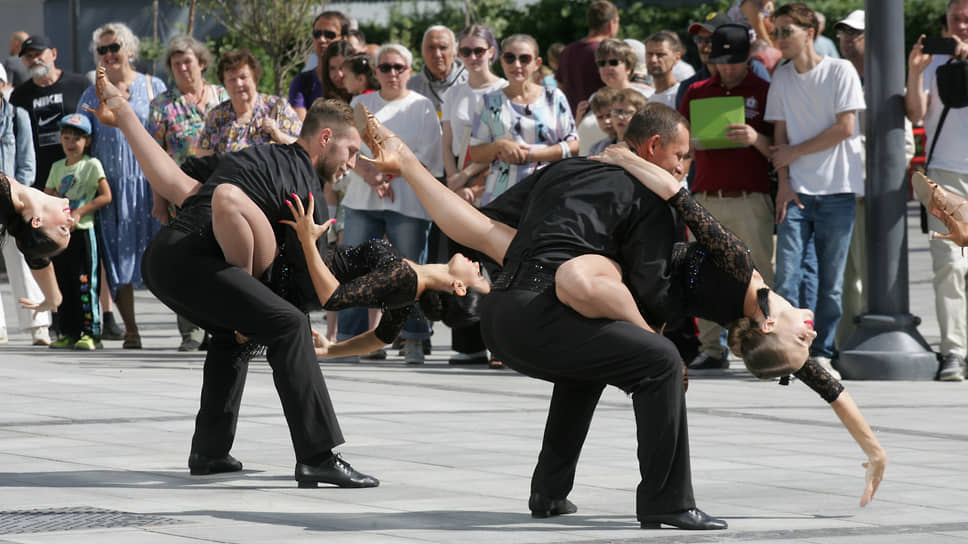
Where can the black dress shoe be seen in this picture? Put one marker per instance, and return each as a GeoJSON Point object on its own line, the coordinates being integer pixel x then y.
{"type": "Point", "coordinates": [704, 361]}
{"type": "Point", "coordinates": [200, 465]}
{"type": "Point", "coordinates": [543, 507]}
{"type": "Point", "coordinates": [693, 519]}
{"type": "Point", "coordinates": [335, 471]}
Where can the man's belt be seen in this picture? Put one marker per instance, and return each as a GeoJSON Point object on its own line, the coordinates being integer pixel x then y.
{"type": "Point", "coordinates": [530, 276]}
{"type": "Point", "coordinates": [726, 193]}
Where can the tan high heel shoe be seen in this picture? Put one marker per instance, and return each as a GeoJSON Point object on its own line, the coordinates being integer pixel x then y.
{"type": "Point", "coordinates": [110, 99]}
{"type": "Point", "coordinates": [950, 208]}
{"type": "Point", "coordinates": [385, 146]}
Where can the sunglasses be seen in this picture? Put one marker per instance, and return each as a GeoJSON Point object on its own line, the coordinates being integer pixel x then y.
{"type": "Point", "coordinates": [328, 34]}
{"type": "Point", "coordinates": [386, 68]}
{"type": "Point", "coordinates": [610, 62]}
{"type": "Point", "coordinates": [467, 51]}
{"type": "Point", "coordinates": [784, 33]}
{"type": "Point", "coordinates": [622, 114]}
{"type": "Point", "coordinates": [110, 48]}
{"type": "Point", "coordinates": [509, 58]}
{"type": "Point", "coordinates": [848, 32]}
{"type": "Point", "coordinates": [702, 40]}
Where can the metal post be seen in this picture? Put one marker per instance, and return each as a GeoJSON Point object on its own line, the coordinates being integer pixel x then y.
{"type": "Point", "coordinates": [74, 10]}
{"type": "Point", "coordinates": [886, 344]}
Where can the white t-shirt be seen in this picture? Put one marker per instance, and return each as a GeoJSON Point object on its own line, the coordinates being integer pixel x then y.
{"type": "Point", "coordinates": [463, 108]}
{"type": "Point", "coordinates": [951, 153]}
{"type": "Point", "coordinates": [809, 104]}
{"type": "Point", "coordinates": [667, 97]}
{"type": "Point", "coordinates": [415, 121]}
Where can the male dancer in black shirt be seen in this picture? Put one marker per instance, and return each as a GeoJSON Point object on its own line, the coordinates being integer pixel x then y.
{"type": "Point", "coordinates": [571, 208]}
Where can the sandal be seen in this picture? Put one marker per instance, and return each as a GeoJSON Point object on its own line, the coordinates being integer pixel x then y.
{"type": "Point", "coordinates": [950, 208]}
{"type": "Point", "coordinates": [385, 146]}
{"type": "Point", "coordinates": [110, 99]}
{"type": "Point", "coordinates": [131, 341]}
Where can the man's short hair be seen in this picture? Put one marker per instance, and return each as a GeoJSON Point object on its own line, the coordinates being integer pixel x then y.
{"type": "Point", "coordinates": [669, 37]}
{"type": "Point", "coordinates": [600, 13]}
{"type": "Point", "coordinates": [183, 44]}
{"type": "Point", "coordinates": [801, 14]}
{"type": "Point", "coordinates": [326, 113]}
{"type": "Point", "coordinates": [631, 97]}
{"type": "Point", "coordinates": [344, 21]}
{"type": "Point", "coordinates": [654, 119]}
{"type": "Point", "coordinates": [439, 28]}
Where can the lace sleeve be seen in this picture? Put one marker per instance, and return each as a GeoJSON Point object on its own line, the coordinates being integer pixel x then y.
{"type": "Point", "coordinates": [726, 250]}
{"type": "Point", "coordinates": [390, 286]}
{"type": "Point", "coordinates": [392, 322]}
{"type": "Point", "coordinates": [818, 379]}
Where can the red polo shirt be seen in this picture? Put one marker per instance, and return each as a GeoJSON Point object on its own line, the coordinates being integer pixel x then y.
{"type": "Point", "coordinates": [738, 168]}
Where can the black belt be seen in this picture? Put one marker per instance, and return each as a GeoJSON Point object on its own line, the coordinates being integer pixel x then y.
{"type": "Point", "coordinates": [530, 276]}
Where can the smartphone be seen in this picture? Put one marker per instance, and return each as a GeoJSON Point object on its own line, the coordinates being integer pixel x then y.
{"type": "Point", "coordinates": [936, 45]}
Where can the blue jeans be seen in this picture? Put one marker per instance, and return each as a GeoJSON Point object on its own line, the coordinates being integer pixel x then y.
{"type": "Point", "coordinates": [830, 220]}
{"type": "Point", "coordinates": [409, 236]}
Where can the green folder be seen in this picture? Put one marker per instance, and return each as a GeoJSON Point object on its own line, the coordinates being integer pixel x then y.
{"type": "Point", "coordinates": [709, 118]}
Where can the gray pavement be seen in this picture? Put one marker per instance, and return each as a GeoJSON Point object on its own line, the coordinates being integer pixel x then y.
{"type": "Point", "coordinates": [93, 448]}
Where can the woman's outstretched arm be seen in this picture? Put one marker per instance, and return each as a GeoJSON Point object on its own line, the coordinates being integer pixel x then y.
{"type": "Point", "coordinates": [164, 175]}
{"type": "Point", "coordinates": [308, 232]}
{"type": "Point", "coordinates": [849, 414]}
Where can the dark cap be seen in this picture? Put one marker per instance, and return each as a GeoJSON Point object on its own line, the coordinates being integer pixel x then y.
{"type": "Point", "coordinates": [37, 42]}
{"type": "Point", "coordinates": [712, 21]}
{"type": "Point", "coordinates": [731, 44]}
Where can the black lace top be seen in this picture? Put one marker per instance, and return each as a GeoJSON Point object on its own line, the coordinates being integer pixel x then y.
{"type": "Point", "coordinates": [7, 214]}
{"type": "Point", "coordinates": [374, 275]}
{"type": "Point", "coordinates": [714, 272]}
{"type": "Point", "coordinates": [818, 379]}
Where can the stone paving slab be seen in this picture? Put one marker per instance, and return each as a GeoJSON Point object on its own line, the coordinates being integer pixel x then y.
{"type": "Point", "coordinates": [454, 448]}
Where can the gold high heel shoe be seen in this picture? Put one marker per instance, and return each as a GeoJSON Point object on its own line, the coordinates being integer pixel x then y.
{"type": "Point", "coordinates": [950, 208]}
{"type": "Point", "coordinates": [110, 99]}
{"type": "Point", "coordinates": [385, 146]}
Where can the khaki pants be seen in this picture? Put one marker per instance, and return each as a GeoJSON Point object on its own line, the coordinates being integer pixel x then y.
{"type": "Point", "coordinates": [853, 300]}
{"type": "Point", "coordinates": [950, 267]}
{"type": "Point", "coordinates": [751, 218]}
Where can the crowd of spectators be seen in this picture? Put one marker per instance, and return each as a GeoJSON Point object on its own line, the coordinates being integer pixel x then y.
{"type": "Point", "coordinates": [787, 175]}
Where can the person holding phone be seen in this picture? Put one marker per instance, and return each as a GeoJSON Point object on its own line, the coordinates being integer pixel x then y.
{"type": "Point", "coordinates": [948, 166]}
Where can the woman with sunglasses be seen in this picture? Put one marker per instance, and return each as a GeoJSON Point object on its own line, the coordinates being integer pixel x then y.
{"type": "Point", "coordinates": [376, 205]}
{"type": "Point", "coordinates": [523, 126]}
{"type": "Point", "coordinates": [125, 226]}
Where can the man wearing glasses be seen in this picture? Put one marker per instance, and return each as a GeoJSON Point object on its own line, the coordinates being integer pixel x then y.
{"type": "Point", "coordinates": [813, 102]}
{"type": "Point", "coordinates": [329, 26]}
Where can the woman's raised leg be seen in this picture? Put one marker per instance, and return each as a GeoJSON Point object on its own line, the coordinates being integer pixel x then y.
{"type": "Point", "coordinates": [242, 230]}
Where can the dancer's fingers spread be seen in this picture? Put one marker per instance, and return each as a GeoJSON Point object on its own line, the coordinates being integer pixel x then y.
{"type": "Point", "coordinates": [290, 223]}
{"type": "Point", "coordinates": [311, 206]}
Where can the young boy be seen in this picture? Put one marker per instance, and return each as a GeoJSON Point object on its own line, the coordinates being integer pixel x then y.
{"type": "Point", "coordinates": [624, 106]}
{"type": "Point", "coordinates": [80, 179]}
{"type": "Point", "coordinates": [601, 105]}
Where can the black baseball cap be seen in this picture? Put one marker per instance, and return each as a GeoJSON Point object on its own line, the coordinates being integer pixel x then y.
{"type": "Point", "coordinates": [731, 44]}
{"type": "Point", "coordinates": [37, 42]}
{"type": "Point", "coordinates": [712, 21]}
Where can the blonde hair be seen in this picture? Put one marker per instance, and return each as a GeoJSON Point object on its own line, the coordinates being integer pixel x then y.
{"type": "Point", "coordinates": [124, 36]}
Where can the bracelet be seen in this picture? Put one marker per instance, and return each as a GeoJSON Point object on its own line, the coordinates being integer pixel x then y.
{"type": "Point", "coordinates": [565, 150]}
{"type": "Point", "coordinates": [527, 159]}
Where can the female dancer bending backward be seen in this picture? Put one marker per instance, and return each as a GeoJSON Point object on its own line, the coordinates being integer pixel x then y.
{"type": "Point", "coordinates": [715, 275]}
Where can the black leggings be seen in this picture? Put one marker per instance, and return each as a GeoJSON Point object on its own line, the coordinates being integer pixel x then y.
{"type": "Point", "coordinates": [77, 269]}
{"type": "Point", "coordinates": [188, 273]}
{"type": "Point", "coordinates": [537, 335]}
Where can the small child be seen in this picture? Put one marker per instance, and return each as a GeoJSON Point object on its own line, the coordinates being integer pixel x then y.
{"type": "Point", "coordinates": [80, 179]}
{"type": "Point", "coordinates": [601, 106]}
{"type": "Point", "coordinates": [358, 74]}
{"type": "Point", "coordinates": [624, 106]}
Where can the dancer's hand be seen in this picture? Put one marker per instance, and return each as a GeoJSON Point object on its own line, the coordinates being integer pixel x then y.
{"type": "Point", "coordinates": [38, 307]}
{"type": "Point", "coordinates": [874, 473]}
{"type": "Point", "coordinates": [957, 230]}
{"type": "Point", "coordinates": [306, 229]}
{"type": "Point", "coordinates": [321, 343]}
{"type": "Point", "coordinates": [616, 154]}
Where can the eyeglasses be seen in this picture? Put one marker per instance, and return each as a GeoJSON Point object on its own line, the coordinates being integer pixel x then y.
{"type": "Point", "coordinates": [621, 114]}
{"type": "Point", "coordinates": [610, 62]}
{"type": "Point", "coordinates": [467, 51]}
{"type": "Point", "coordinates": [105, 49]}
{"type": "Point", "coordinates": [702, 40]}
{"type": "Point", "coordinates": [847, 32]}
{"type": "Point", "coordinates": [784, 33]}
{"type": "Point", "coordinates": [328, 34]}
{"type": "Point", "coordinates": [509, 58]}
{"type": "Point", "coordinates": [386, 68]}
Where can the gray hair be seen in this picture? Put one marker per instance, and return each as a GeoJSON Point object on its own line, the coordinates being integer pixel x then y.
{"type": "Point", "coordinates": [122, 33]}
{"type": "Point", "coordinates": [396, 48]}
{"type": "Point", "coordinates": [184, 44]}
{"type": "Point", "coordinates": [439, 28]}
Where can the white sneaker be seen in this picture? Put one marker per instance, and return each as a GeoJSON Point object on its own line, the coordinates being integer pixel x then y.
{"type": "Point", "coordinates": [413, 352]}
{"type": "Point", "coordinates": [40, 336]}
{"type": "Point", "coordinates": [827, 365]}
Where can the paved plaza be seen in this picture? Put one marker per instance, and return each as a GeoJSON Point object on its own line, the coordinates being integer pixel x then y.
{"type": "Point", "coordinates": [94, 446]}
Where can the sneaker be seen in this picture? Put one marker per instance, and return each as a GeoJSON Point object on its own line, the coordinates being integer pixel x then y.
{"type": "Point", "coordinates": [375, 355]}
{"type": "Point", "coordinates": [413, 353]}
{"type": "Point", "coordinates": [85, 343]}
{"type": "Point", "coordinates": [827, 365]}
{"type": "Point", "coordinates": [110, 329]}
{"type": "Point", "coordinates": [427, 346]}
{"type": "Point", "coordinates": [64, 342]}
{"type": "Point", "coordinates": [189, 344]}
{"type": "Point", "coordinates": [477, 358]}
{"type": "Point", "coordinates": [40, 336]}
{"type": "Point", "coordinates": [952, 368]}
{"type": "Point", "coordinates": [705, 361]}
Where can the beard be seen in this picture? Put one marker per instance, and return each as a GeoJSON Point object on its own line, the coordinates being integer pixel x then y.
{"type": "Point", "coordinates": [326, 171]}
{"type": "Point", "coordinates": [38, 69]}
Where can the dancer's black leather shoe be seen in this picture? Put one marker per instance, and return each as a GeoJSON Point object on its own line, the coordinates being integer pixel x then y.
{"type": "Point", "coordinates": [543, 507]}
{"type": "Point", "coordinates": [693, 519]}
{"type": "Point", "coordinates": [334, 471]}
{"type": "Point", "coordinates": [200, 465]}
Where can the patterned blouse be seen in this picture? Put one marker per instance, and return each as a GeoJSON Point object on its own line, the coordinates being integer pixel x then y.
{"type": "Point", "coordinates": [223, 133]}
{"type": "Point", "coordinates": [176, 124]}
{"type": "Point", "coordinates": [547, 121]}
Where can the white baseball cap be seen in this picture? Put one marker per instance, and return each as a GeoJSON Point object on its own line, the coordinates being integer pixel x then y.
{"type": "Point", "coordinates": [855, 20]}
